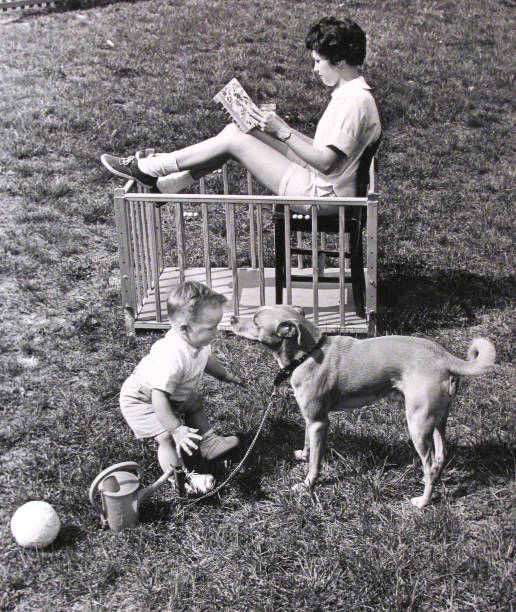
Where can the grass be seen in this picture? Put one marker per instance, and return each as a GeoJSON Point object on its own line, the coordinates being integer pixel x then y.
{"type": "Point", "coordinates": [90, 77]}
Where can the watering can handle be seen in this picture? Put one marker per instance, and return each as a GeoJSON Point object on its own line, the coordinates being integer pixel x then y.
{"type": "Point", "coordinates": [125, 465]}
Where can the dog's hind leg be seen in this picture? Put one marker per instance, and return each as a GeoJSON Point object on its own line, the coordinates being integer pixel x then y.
{"type": "Point", "coordinates": [427, 434]}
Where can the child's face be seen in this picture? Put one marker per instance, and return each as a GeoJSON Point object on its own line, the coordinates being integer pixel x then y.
{"type": "Point", "coordinates": [328, 73]}
{"type": "Point", "coordinates": [200, 331]}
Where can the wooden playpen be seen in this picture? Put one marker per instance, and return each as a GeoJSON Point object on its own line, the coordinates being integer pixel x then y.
{"type": "Point", "coordinates": [164, 239]}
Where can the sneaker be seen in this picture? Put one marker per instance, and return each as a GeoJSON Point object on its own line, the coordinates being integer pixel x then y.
{"type": "Point", "coordinates": [214, 446]}
{"type": "Point", "coordinates": [127, 167]}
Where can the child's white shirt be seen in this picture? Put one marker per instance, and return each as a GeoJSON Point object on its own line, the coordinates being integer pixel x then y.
{"type": "Point", "coordinates": [173, 366]}
{"type": "Point", "coordinates": [350, 123]}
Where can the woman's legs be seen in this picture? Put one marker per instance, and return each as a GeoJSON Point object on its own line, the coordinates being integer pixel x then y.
{"type": "Point", "coordinates": [265, 162]}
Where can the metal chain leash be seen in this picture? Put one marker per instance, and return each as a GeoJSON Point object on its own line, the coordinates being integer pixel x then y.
{"type": "Point", "coordinates": [244, 458]}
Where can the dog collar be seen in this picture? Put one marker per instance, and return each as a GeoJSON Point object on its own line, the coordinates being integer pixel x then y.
{"type": "Point", "coordinates": [286, 372]}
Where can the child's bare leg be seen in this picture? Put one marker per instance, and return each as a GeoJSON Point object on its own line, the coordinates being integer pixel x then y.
{"type": "Point", "coordinates": [167, 455]}
{"type": "Point", "coordinates": [212, 446]}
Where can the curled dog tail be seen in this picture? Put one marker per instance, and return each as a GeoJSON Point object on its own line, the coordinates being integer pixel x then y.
{"type": "Point", "coordinates": [480, 359]}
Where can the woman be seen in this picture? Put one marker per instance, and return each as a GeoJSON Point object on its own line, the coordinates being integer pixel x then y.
{"type": "Point", "coordinates": [278, 156]}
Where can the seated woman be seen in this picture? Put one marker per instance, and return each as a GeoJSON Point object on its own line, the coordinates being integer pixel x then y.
{"type": "Point", "coordinates": [282, 159]}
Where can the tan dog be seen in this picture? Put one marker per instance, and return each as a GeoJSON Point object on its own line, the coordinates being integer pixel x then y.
{"type": "Point", "coordinates": [339, 372]}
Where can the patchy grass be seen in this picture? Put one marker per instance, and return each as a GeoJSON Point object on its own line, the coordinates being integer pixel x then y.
{"type": "Point", "coordinates": [94, 77]}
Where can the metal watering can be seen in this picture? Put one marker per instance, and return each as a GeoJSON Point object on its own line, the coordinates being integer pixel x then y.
{"type": "Point", "coordinates": [120, 494]}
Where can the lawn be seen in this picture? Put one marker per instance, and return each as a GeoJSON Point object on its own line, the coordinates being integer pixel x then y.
{"type": "Point", "coordinates": [91, 77]}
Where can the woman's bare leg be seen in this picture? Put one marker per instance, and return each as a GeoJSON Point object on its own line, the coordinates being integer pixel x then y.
{"type": "Point", "coordinates": [265, 162]}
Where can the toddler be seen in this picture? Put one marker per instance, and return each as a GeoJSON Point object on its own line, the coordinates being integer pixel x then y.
{"type": "Point", "coordinates": [160, 398]}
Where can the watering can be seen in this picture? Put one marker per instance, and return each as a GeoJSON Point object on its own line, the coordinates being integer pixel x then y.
{"type": "Point", "coordinates": [121, 495]}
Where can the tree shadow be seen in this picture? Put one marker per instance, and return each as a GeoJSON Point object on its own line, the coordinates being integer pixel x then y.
{"type": "Point", "coordinates": [410, 302]}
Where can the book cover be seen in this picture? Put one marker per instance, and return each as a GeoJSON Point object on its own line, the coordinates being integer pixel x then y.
{"type": "Point", "coordinates": [237, 102]}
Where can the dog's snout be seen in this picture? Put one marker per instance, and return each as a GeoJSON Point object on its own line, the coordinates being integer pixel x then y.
{"type": "Point", "coordinates": [233, 320]}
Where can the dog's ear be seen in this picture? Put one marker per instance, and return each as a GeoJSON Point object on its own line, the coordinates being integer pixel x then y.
{"type": "Point", "coordinates": [307, 334]}
{"type": "Point", "coordinates": [287, 329]}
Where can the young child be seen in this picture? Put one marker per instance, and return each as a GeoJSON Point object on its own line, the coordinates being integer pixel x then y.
{"type": "Point", "coordinates": [160, 398]}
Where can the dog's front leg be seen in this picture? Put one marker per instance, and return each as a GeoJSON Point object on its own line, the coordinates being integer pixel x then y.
{"type": "Point", "coordinates": [317, 432]}
{"type": "Point", "coordinates": [303, 455]}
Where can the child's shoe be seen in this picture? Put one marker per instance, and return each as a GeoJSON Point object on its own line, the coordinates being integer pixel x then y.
{"type": "Point", "coordinates": [199, 484]}
{"type": "Point", "coordinates": [213, 446]}
{"type": "Point", "coordinates": [192, 483]}
{"type": "Point", "coordinates": [127, 167]}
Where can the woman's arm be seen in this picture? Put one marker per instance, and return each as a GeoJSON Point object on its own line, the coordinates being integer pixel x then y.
{"type": "Point", "coordinates": [324, 160]}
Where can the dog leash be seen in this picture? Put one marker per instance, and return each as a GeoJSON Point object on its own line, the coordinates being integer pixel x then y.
{"type": "Point", "coordinates": [244, 458]}
{"type": "Point", "coordinates": [282, 375]}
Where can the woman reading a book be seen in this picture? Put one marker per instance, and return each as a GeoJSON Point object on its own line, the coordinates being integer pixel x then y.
{"type": "Point", "coordinates": [278, 156]}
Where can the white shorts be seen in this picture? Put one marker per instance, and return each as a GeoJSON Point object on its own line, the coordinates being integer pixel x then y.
{"type": "Point", "coordinates": [137, 409]}
{"type": "Point", "coordinates": [299, 180]}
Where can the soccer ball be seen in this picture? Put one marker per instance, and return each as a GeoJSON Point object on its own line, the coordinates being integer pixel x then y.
{"type": "Point", "coordinates": [35, 524]}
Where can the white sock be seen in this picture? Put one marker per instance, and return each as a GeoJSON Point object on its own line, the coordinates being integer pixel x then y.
{"type": "Point", "coordinates": [175, 182]}
{"type": "Point", "coordinates": [160, 164]}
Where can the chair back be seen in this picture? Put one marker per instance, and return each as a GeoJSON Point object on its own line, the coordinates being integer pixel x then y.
{"type": "Point", "coordinates": [364, 166]}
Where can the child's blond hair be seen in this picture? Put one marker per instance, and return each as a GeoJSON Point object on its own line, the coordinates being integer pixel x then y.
{"type": "Point", "coordinates": [186, 300]}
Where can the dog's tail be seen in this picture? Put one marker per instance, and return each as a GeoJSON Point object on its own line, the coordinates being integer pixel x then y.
{"type": "Point", "coordinates": [480, 359]}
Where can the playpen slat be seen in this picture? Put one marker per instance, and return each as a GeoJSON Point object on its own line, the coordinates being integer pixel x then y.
{"type": "Point", "coordinates": [234, 269]}
{"type": "Point", "coordinates": [252, 224]}
{"type": "Point", "coordinates": [315, 266]}
{"type": "Point", "coordinates": [135, 242]}
{"type": "Point", "coordinates": [205, 235]}
{"type": "Point", "coordinates": [153, 243]}
{"type": "Point", "coordinates": [299, 245]}
{"type": "Point", "coordinates": [342, 267]}
{"type": "Point", "coordinates": [124, 255]}
{"type": "Point", "coordinates": [261, 272]}
{"type": "Point", "coordinates": [140, 206]}
{"type": "Point", "coordinates": [225, 188]}
{"type": "Point", "coordinates": [146, 249]}
{"type": "Point", "coordinates": [372, 229]}
{"type": "Point", "coordinates": [288, 268]}
{"type": "Point", "coordinates": [180, 234]}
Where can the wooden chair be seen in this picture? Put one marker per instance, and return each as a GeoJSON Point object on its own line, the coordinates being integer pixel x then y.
{"type": "Point", "coordinates": [355, 220]}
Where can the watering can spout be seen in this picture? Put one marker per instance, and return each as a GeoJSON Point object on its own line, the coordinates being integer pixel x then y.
{"type": "Point", "coordinates": [143, 494]}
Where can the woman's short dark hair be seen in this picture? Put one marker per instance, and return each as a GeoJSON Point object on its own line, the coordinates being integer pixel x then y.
{"type": "Point", "coordinates": [337, 40]}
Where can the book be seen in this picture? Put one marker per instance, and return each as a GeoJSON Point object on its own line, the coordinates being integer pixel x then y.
{"type": "Point", "coordinates": [237, 102]}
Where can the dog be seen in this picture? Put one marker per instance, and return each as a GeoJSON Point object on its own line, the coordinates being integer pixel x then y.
{"type": "Point", "coordinates": [330, 373]}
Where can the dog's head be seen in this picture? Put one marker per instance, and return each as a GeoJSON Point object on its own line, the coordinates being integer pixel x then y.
{"type": "Point", "coordinates": [281, 328]}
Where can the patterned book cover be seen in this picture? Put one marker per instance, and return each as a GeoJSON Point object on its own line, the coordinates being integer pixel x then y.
{"type": "Point", "coordinates": [237, 102]}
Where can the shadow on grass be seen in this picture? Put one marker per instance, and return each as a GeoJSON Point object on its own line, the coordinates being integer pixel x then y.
{"type": "Point", "coordinates": [68, 536]}
{"type": "Point", "coordinates": [410, 302]}
{"type": "Point", "coordinates": [470, 468]}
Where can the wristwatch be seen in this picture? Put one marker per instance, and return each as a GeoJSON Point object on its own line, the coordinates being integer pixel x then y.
{"type": "Point", "coordinates": [286, 137]}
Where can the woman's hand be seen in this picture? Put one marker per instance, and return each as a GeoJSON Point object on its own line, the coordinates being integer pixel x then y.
{"type": "Point", "coordinates": [269, 122]}
{"type": "Point", "coordinates": [185, 439]}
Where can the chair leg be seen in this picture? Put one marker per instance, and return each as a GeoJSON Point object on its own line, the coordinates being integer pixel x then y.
{"type": "Point", "coordinates": [357, 269]}
{"type": "Point", "coordinates": [279, 248]}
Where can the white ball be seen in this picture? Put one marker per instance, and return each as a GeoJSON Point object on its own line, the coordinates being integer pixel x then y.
{"type": "Point", "coordinates": [35, 524]}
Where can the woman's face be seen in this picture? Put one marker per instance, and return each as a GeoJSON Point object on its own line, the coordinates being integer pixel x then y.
{"type": "Point", "coordinates": [328, 73]}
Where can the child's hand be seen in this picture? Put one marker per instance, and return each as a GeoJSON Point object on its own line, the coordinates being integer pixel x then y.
{"type": "Point", "coordinates": [233, 378]}
{"type": "Point", "coordinates": [185, 439]}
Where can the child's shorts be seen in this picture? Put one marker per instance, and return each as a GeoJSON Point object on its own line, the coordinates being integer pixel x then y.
{"type": "Point", "coordinates": [137, 410]}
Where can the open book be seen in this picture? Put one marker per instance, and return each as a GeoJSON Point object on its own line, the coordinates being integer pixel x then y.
{"type": "Point", "coordinates": [237, 102]}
